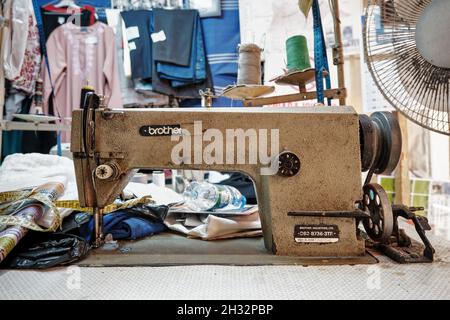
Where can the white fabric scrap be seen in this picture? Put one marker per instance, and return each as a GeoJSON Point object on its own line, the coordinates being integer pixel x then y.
{"type": "Point", "coordinates": [214, 227]}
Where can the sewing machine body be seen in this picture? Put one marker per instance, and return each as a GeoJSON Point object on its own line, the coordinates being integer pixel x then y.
{"type": "Point", "coordinates": [326, 140]}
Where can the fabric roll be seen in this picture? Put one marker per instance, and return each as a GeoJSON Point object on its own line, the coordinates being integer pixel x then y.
{"type": "Point", "coordinates": [11, 236]}
{"type": "Point", "coordinates": [26, 212]}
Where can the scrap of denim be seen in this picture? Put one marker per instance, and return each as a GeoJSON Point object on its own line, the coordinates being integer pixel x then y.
{"type": "Point", "coordinates": [124, 225]}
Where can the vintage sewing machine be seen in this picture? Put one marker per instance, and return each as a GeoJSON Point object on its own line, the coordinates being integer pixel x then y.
{"type": "Point", "coordinates": [310, 192]}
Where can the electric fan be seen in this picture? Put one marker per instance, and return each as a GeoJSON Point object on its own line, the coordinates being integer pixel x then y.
{"type": "Point", "coordinates": [407, 50]}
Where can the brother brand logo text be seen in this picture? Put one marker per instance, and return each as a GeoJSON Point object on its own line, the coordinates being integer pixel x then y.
{"type": "Point", "coordinates": [160, 130]}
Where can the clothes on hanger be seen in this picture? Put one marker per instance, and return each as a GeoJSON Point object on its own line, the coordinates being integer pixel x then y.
{"type": "Point", "coordinates": [21, 55]}
{"type": "Point", "coordinates": [173, 74]}
{"type": "Point", "coordinates": [2, 73]}
{"type": "Point", "coordinates": [176, 47]}
{"type": "Point", "coordinates": [53, 17]}
{"type": "Point", "coordinates": [171, 61]}
{"type": "Point", "coordinates": [138, 24]}
{"type": "Point", "coordinates": [100, 7]}
{"type": "Point", "coordinates": [14, 39]}
{"type": "Point", "coordinates": [131, 97]}
{"type": "Point", "coordinates": [80, 55]}
{"type": "Point", "coordinates": [29, 71]}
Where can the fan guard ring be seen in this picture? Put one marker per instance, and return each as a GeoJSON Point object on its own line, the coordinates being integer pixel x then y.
{"type": "Point", "coordinates": [411, 84]}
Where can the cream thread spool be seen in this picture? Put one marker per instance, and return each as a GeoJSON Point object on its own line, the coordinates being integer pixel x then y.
{"type": "Point", "coordinates": [249, 70]}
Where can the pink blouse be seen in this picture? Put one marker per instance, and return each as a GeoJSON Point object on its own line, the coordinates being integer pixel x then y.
{"type": "Point", "coordinates": [80, 56]}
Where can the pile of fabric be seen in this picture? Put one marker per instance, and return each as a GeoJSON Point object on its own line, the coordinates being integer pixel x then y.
{"type": "Point", "coordinates": [53, 235]}
{"type": "Point", "coordinates": [37, 230]}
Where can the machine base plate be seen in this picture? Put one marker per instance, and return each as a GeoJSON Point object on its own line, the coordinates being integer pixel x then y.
{"type": "Point", "coordinates": [174, 250]}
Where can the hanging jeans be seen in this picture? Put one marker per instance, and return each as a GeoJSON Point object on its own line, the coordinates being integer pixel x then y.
{"type": "Point", "coordinates": [138, 23]}
{"type": "Point", "coordinates": [196, 71]}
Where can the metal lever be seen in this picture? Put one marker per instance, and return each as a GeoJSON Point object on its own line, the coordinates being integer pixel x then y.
{"type": "Point", "coordinates": [408, 213]}
{"type": "Point", "coordinates": [405, 251]}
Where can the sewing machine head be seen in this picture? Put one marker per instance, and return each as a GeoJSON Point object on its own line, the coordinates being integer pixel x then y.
{"type": "Point", "coordinates": [305, 163]}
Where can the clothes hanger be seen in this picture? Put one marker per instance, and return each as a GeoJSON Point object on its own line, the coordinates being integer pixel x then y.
{"type": "Point", "coordinates": [122, 4]}
{"type": "Point", "coordinates": [63, 4]}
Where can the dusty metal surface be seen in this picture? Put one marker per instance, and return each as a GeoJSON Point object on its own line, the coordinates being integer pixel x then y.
{"type": "Point", "coordinates": [175, 250]}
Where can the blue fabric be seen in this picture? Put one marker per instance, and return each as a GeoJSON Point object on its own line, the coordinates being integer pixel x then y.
{"type": "Point", "coordinates": [222, 37]}
{"type": "Point", "coordinates": [123, 225]}
{"type": "Point", "coordinates": [141, 57]}
{"type": "Point", "coordinates": [12, 142]}
{"type": "Point", "coordinates": [320, 55]}
{"type": "Point", "coordinates": [196, 71]}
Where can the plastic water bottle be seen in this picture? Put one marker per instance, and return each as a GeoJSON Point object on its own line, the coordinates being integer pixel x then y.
{"type": "Point", "coordinates": [204, 196]}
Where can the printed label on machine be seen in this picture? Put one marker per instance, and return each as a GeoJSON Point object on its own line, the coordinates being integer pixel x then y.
{"type": "Point", "coordinates": [316, 233]}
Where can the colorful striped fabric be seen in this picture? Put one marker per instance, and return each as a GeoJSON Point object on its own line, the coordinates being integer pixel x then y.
{"type": "Point", "coordinates": [11, 236]}
{"type": "Point", "coordinates": [26, 212]}
{"type": "Point", "coordinates": [222, 37]}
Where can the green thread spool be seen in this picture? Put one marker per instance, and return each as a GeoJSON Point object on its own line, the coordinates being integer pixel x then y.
{"type": "Point", "coordinates": [297, 54]}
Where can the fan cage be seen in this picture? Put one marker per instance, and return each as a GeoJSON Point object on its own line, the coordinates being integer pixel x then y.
{"type": "Point", "coordinates": [412, 85]}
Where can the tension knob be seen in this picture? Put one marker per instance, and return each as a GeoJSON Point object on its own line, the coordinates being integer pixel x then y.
{"type": "Point", "coordinates": [288, 164]}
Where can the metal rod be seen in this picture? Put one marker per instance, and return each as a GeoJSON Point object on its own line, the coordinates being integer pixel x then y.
{"type": "Point", "coordinates": [98, 227]}
{"type": "Point", "coordinates": [32, 126]}
{"type": "Point", "coordinates": [333, 93]}
{"type": "Point", "coordinates": [331, 214]}
{"type": "Point", "coordinates": [338, 50]}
